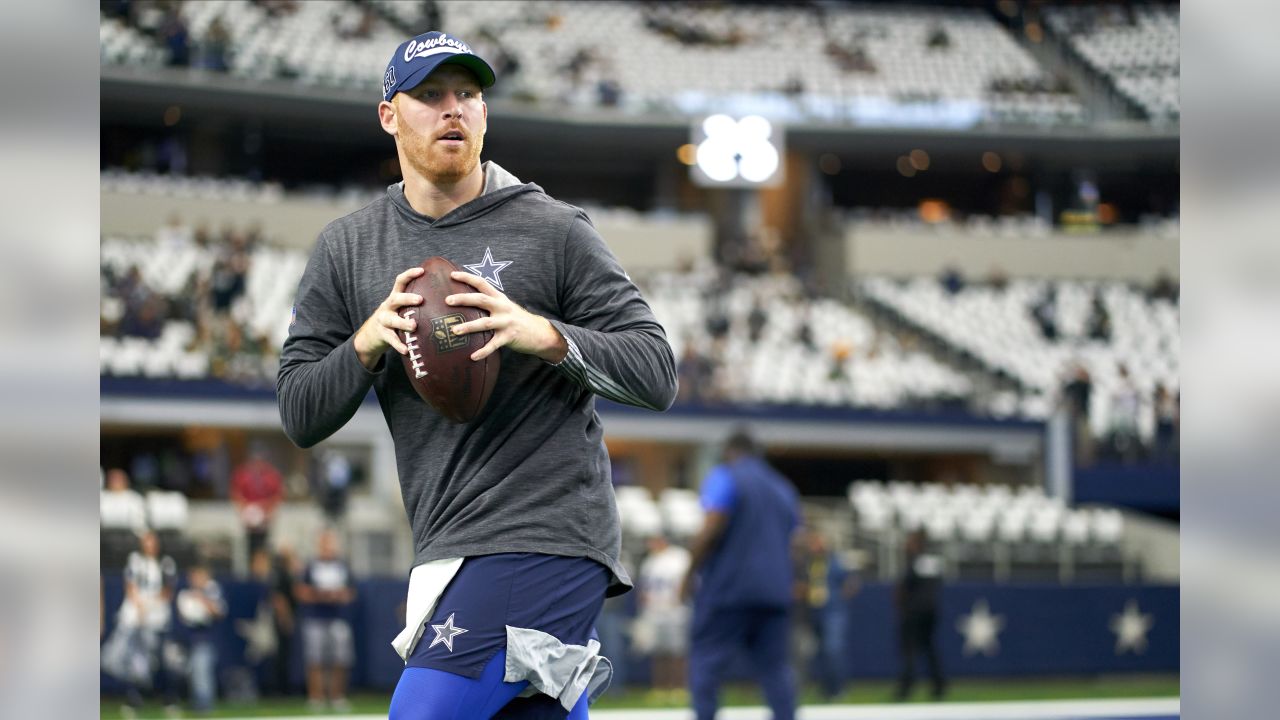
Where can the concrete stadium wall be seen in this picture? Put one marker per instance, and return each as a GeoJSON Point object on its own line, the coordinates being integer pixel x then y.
{"type": "Point", "coordinates": [1131, 255]}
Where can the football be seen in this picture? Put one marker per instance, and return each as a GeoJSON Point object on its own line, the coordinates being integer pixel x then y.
{"type": "Point", "coordinates": [439, 364]}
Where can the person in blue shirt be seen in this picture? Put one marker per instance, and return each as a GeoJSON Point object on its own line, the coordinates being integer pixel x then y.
{"type": "Point", "coordinates": [741, 567]}
{"type": "Point", "coordinates": [324, 592]}
{"type": "Point", "coordinates": [828, 584]}
{"type": "Point", "coordinates": [200, 608]}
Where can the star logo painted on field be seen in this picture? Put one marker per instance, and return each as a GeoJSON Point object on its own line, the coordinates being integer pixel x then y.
{"type": "Point", "coordinates": [489, 268]}
{"type": "Point", "coordinates": [981, 630]}
{"type": "Point", "coordinates": [1131, 628]}
{"type": "Point", "coordinates": [445, 633]}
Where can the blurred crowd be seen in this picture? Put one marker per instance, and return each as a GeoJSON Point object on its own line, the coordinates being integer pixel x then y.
{"type": "Point", "coordinates": [131, 307]}
{"type": "Point", "coordinates": [1121, 439]}
{"type": "Point", "coordinates": [168, 630]}
{"type": "Point", "coordinates": [165, 638]}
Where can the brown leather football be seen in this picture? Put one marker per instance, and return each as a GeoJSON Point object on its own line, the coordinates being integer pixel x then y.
{"type": "Point", "coordinates": [439, 363]}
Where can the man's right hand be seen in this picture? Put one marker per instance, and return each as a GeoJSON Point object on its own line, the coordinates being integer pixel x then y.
{"type": "Point", "coordinates": [379, 332]}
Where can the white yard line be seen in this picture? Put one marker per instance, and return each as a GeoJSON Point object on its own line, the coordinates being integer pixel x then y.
{"type": "Point", "coordinates": [1019, 710]}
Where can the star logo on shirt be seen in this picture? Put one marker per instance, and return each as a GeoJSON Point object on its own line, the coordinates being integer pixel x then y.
{"type": "Point", "coordinates": [489, 268]}
{"type": "Point", "coordinates": [981, 630]}
{"type": "Point", "coordinates": [1131, 628]}
{"type": "Point", "coordinates": [445, 633]}
{"type": "Point", "coordinates": [259, 635]}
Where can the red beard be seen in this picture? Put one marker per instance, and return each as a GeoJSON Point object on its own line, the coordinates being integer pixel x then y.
{"type": "Point", "coordinates": [438, 162]}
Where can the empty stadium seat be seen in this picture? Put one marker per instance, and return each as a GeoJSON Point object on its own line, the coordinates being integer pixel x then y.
{"type": "Point", "coordinates": [122, 511]}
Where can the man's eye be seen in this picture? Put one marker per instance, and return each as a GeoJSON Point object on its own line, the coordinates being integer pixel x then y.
{"type": "Point", "coordinates": [467, 94]}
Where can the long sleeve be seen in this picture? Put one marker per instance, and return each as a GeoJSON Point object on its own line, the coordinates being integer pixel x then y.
{"type": "Point", "coordinates": [617, 348]}
{"type": "Point", "coordinates": [321, 381]}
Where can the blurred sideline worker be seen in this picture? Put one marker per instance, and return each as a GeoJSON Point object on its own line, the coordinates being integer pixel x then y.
{"type": "Point", "coordinates": [662, 629]}
{"type": "Point", "coordinates": [515, 524]}
{"type": "Point", "coordinates": [133, 653]}
{"type": "Point", "coordinates": [917, 601]}
{"type": "Point", "coordinates": [741, 560]}
{"type": "Point", "coordinates": [284, 601]}
{"type": "Point", "coordinates": [200, 607]}
{"type": "Point", "coordinates": [324, 591]}
{"type": "Point", "coordinates": [829, 584]}
{"type": "Point", "coordinates": [257, 490]}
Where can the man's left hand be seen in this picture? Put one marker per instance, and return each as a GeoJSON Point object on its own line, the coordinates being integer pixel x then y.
{"type": "Point", "coordinates": [511, 324]}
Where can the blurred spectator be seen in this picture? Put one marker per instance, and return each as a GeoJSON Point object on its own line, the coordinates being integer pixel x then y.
{"type": "Point", "coordinates": [335, 477]}
{"type": "Point", "coordinates": [717, 322]}
{"type": "Point", "coordinates": [200, 608]}
{"type": "Point", "coordinates": [614, 625]}
{"type": "Point", "coordinates": [229, 274]}
{"type": "Point", "coordinates": [741, 562]}
{"type": "Point", "coordinates": [850, 60]}
{"type": "Point", "coordinates": [1076, 395]}
{"type": "Point", "coordinates": [134, 652]}
{"type": "Point", "coordinates": [608, 92]}
{"type": "Point", "coordinates": [171, 155]}
{"type": "Point", "coordinates": [284, 604]}
{"type": "Point", "coordinates": [119, 9]}
{"type": "Point", "coordinates": [143, 314]}
{"type": "Point", "coordinates": [430, 14]}
{"type": "Point", "coordinates": [1045, 313]}
{"type": "Point", "coordinates": [174, 234]}
{"type": "Point", "coordinates": [1122, 436]}
{"type": "Point", "coordinates": [841, 352]}
{"type": "Point", "coordinates": [261, 656]}
{"type": "Point", "coordinates": [145, 320]}
{"type": "Point", "coordinates": [951, 280]}
{"type": "Point", "coordinates": [1098, 325]}
{"type": "Point", "coordinates": [1164, 288]}
{"type": "Point", "coordinates": [694, 372]}
{"type": "Point", "coordinates": [278, 8]}
{"type": "Point", "coordinates": [1167, 412]}
{"type": "Point", "coordinates": [828, 586]}
{"type": "Point", "coordinates": [662, 627]}
{"type": "Point", "coordinates": [120, 505]}
{"type": "Point", "coordinates": [998, 280]}
{"type": "Point", "coordinates": [938, 38]}
{"type": "Point", "coordinates": [804, 332]}
{"type": "Point", "coordinates": [356, 27]}
{"type": "Point", "coordinates": [173, 31]}
{"type": "Point", "coordinates": [324, 592]}
{"type": "Point", "coordinates": [256, 489]}
{"type": "Point", "coordinates": [214, 46]}
{"type": "Point", "coordinates": [756, 320]}
{"type": "Point", "coordinates": [917, 604]}
{"type": "Point", "coordinates": [145, 470]}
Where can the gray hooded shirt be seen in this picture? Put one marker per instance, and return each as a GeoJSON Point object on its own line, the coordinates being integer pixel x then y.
{"type": "Point", "coordinates": [530, 473]}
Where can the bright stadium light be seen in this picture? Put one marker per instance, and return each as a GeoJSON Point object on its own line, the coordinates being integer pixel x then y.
{"type": "Point", "coordinates": [736, 153]}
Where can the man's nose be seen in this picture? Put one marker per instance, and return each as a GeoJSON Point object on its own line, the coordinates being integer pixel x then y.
{"type": "Point", "coordinates": [451, 107]}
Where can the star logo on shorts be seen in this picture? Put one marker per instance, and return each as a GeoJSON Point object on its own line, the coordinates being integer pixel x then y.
{"type": "Point", "coordinates": [445, 633]}
{"type": "Point", "coordinates": [489, 268]}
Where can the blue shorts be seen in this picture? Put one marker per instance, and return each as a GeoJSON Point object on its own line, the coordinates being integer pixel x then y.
{"type": "Point", "coordinates": [557, 595]}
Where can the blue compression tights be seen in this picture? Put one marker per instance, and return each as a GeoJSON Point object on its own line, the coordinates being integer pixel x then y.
{"type": "Point", "coordinates": [427, 694]}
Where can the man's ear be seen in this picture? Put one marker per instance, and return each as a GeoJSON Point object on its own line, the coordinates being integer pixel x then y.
{"type": "Point", "coordinates": [389, 118]}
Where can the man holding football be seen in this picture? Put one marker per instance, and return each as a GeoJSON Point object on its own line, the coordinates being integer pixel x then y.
{"type": "Point", "coordinates": [515, 527]}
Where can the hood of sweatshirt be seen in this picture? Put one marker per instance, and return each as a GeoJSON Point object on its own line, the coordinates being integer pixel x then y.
{"type": "Point", "coordinates": [500, 186]}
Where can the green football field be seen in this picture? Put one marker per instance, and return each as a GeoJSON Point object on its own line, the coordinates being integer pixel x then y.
{"type": "Point", "coordinates": [865, 692]}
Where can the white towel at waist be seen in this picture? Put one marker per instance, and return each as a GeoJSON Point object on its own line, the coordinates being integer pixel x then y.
{"type": "Point", "coordinates": [426, 584]}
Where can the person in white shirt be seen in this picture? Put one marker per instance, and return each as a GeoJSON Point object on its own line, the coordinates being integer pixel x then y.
{"type": "Point", "coordinates": [132, 654]}
{"type": "Point", "coordinates": [662, 628]}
